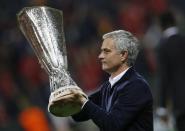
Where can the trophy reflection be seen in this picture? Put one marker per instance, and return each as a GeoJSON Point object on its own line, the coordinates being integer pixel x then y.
{"type": "Point", "coordinates": [43, 28]}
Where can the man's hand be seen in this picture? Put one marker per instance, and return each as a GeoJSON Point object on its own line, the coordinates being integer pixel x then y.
{"type": "Point", "coordinates": [76, 96]}
{"type": "Point", "coordinates": [66, 103]}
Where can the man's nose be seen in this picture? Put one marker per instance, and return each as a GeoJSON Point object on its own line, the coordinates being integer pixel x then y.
{"type": "Point", "coordinates": [100, 56]}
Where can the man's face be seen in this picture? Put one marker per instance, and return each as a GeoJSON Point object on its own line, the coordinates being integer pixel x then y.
{"type": "Point", "coordinates": [110, 57]}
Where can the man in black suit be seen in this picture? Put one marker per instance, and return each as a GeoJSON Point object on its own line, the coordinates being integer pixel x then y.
{"type": "Point", "coordinates": [124, 102]}
{"type": "Point", "coordinates": [171, 55]}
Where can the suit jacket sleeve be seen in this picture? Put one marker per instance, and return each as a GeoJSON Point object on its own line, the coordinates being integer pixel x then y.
{"type": "Point", "coordinates": [131, 101]}
{"type": "Point", "coordinates": [96, 99]}
{"type": "Point", "coordinates": [164, 69]}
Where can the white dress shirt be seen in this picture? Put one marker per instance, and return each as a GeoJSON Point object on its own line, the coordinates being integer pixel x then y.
{"type": "Point", "coordinates": [170, 31]}
{"type": "Point", "coordinates": [117, 78]}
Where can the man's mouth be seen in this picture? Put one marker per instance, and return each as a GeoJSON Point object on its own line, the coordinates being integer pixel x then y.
{"type": "Point", "coordinates": [103, 62]}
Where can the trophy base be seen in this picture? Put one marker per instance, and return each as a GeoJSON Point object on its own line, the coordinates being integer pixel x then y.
{"type": "Point", "coordinates": [64, 107]}
{"type": "Point", "coordinates": [65, 110]}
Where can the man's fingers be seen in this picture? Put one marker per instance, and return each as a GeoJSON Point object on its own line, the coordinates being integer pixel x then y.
{"type": "Point", "coordinates": [75, 96]}
{"type": "Point", "coordinates": [66, 97]}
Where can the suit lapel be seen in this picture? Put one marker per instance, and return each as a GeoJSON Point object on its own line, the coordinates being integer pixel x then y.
{"type": "Point", "coordinates": [117, 86]}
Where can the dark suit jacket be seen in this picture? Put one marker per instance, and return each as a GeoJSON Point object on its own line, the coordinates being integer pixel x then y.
{"type": "Point", "coordinates": [171, 56]}
{"type": "Point", "coordinates": [131, 106]}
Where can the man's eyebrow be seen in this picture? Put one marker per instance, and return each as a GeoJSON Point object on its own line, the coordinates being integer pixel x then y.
{"type": "Point", "coordinates": [105, 49]}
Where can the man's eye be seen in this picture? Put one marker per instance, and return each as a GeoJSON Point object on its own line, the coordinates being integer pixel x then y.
{"type": "Point", "coordinates": [106, 51]}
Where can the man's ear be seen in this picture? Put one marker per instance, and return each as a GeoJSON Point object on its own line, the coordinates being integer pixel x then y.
{"type": "Point", "coordinates": [124, 56]}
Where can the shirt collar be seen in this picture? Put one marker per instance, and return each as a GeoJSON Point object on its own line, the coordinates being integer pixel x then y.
{"type": "Point", "coordinates": [170, 31]}
{"type": "Point", "coordinates": [117, 78]}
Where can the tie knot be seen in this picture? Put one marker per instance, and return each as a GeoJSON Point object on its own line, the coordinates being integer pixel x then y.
{"type": "Point", "coordinates": [110, 89]}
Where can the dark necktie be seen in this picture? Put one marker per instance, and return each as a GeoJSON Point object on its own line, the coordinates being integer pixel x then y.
{"type": "Point", "coordinates": [109, 96]}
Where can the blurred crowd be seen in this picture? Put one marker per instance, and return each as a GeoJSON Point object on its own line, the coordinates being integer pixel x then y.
{"type": "Point", "coordinates": [24, 86]}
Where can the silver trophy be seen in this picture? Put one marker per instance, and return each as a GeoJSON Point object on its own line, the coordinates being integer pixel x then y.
{"type": "Point", "coordinates": [43, 28]}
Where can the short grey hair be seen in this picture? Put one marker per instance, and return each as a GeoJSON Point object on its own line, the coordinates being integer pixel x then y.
{"type": "Point", "coordinates": [125, 41]}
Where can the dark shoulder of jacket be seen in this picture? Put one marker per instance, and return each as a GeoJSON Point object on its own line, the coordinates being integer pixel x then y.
{"type": "Point", "coordinates": [139, 84]}
{"type": "Point", "coordinates": [176, 37]}
{"type": "Point", "coordinates": [136, 79]}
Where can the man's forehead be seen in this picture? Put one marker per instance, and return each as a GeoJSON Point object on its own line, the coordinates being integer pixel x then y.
{"type": "Point", "coordinates": [108, 43]}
